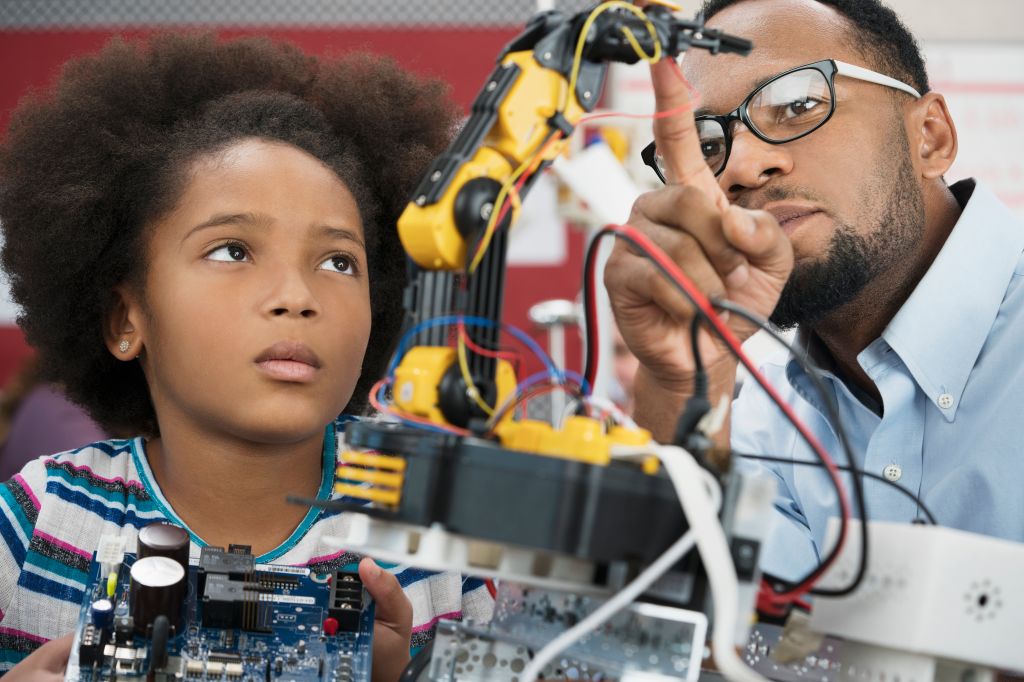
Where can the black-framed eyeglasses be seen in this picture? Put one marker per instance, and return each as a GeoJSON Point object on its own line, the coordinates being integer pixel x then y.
{"type": "Point", "coordinates": [787, 107]}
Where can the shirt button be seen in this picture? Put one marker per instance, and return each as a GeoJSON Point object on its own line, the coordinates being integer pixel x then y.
{"type": "Point", "coordinates": [893, 472]}
{"type": "Point", "coordinates": [945, 401]}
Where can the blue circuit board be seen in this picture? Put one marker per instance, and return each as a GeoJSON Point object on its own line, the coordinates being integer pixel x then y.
{"type": "Point", "coordinates": [285, 630]}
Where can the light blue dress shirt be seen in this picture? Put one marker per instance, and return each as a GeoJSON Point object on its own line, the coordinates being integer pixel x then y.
{"type": "Point", "coordinates": [950, 371]}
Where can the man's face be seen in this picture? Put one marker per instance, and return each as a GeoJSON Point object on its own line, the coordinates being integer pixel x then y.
{"type": "Point", "coordinates": [846, 195]}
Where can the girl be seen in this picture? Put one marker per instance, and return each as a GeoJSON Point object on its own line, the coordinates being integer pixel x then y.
{"type": "Point", "coordinates": [200, 237]}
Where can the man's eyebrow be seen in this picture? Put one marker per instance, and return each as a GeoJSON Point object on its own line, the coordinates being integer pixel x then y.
{"type": "Point", "coordinates": [705, 111]}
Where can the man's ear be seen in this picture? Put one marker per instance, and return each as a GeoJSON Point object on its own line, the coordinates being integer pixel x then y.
{"type": "Point", "coordinates": [932, 135]}
{"type": "Point", "coordinates": [123, 332]}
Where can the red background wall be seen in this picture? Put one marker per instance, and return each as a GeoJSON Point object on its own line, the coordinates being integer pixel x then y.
{"type": "Point", "coordinates": [461, 56]}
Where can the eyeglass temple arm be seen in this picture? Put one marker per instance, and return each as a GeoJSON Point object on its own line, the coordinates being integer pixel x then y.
{"type": "Point", "coordinates": [860, 73]}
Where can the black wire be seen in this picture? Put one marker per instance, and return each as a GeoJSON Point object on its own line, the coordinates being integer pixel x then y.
{"type": "Point", "coordinates": [833, 413]}
{"type": "Point", "coordinates": [418, 664]}
{"type": "Point", "coordinates": [881, 479]}
{"type": "Point", "coordinates": [698, 364]}
{"type": "Point", "coordinates": [589, 321]}
{"type": "Point", "coordinates": [819, 386]}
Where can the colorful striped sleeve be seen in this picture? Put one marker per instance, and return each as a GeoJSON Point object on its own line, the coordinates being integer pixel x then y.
{"type": "Point", "coordinates": [19, 509]}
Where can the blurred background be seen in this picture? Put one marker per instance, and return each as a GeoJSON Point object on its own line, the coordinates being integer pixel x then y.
{"type": "Point", "coordinates": [975, 56]}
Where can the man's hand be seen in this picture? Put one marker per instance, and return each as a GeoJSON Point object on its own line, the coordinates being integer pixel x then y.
{"type": "Point", "coordinates": [45, 664]}
{"type": "Point", "coordinates": [392, 627]}
{"type": "Point", "coordinates": [728, 252]}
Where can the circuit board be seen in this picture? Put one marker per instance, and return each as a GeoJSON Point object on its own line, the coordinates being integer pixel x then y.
{"type": "Point", "coordinates": [238, 622]}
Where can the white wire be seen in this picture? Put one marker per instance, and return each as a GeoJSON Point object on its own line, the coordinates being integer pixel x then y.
{"type": "Point", "coordinates": [714, 553]}
{"type": "Point", "coordinates": [630, 592]}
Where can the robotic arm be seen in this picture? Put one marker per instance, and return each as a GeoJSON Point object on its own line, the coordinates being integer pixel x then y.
{"type": "Point", "coordinates": [546, 80]}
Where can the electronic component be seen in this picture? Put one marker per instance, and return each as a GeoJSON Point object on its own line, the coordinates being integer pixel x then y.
{"type": "Point", "coordinates": [290, 605]}
{"type": "Point", "coordinates": [157, 588]}
{"type": "Point", "coordinates": [346, 600]}
{"type": "Point", "coordinates": [644, 639]}
{"type": "Point", "coordinates": [923, 602]}
{"type": "Point", "coordinates": [166, 540]}
{"type": "Point", "coordinates": [102, 614]}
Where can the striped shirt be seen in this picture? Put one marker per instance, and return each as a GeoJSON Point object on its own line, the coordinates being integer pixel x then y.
{"type": "Point", "coordinates": [54, 512]}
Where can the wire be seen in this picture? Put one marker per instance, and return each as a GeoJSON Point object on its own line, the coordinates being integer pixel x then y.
{"type": "Point", "coordinates": [589, 268]}
{"type": "Point", "coordinates": [621, 600]}
{"type": "Point", "coordinates": [591, 18]}
{"type": "Point", "coordinates": [510, 356]}
{"type": "Point", "coordinates": [672, 272]}
{"type": "Point", "coordinates": [378, 402]}
{"type": "Point", "coordinates": [512, 185]}
{"type": "Point", "coordinates": [471, 388]}
{"type": "Point", "coordinates": [526, 391]}
{"type": "Point", "coordinates": [521, 175]}
{"type": "Point", "coordinates": [833, 415]}
{"type": "Point", "coordinates": [471, 321]}
{"type": "Point", "coordinates": [862, 472]}
{"type": "Point", "coordinates": [414, 669]}
{"type": "Point", "coordinates": [711, 498]}
{"type": "Point", "coordinates": [713, 547]}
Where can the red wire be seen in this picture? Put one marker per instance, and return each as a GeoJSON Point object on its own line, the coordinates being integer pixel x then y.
{"type": "Point", "coordinates": [491, 588]}
{"type": "Point", "coordinates": [384, 409]}
{"type": "Point", "coordinates": [527, 174]}
{"type": "Point", "coordinates": [704, 305]}
{"type": "Point", "coordinates": [511, 356]}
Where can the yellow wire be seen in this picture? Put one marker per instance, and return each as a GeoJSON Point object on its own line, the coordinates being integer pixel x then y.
{"type": "Point", "coordinates": [665, 3]}
{"type": "Point", "coordinates": [492, 222]}
{"type": "Point", "coordinates": [471, 388]}
{"type": "Point", "coordinates": [640, 50]}
{"type": "Point", "coordinates": [598, 11]}
{"type": "Point", "coordinates": [508, 187]}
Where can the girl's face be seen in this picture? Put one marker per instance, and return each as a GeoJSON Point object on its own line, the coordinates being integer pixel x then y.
{"type": "Point", "coordinates": [256, 310]}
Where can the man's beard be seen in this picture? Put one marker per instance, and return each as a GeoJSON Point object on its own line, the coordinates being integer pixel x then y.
{"type": "Point", "coordinates": [854, 259]}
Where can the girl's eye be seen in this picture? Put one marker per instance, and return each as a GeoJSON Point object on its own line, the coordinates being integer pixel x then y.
{"type": "Point", "coordinates": [346, 265]}
{"type": "Point", "coordinates": [229, 253]}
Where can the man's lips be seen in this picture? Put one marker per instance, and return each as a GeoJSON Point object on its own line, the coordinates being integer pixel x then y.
{"type": "Point", "coordinates": [289, 361]}
{"type": "Point", "coordinates": [792, 216]}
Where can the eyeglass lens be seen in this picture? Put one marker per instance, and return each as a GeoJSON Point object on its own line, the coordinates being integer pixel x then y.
{"type": "Point", "coordinates": [781, 110]}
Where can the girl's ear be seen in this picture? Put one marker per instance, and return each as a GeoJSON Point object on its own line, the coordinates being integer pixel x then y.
{"type": "Point", "coordinates": [122, 331]}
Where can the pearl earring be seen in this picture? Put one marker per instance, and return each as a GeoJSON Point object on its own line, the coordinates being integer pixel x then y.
{"type": "Point", "coordinates": [124, 346]}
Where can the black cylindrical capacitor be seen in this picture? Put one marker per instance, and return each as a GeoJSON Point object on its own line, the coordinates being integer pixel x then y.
{"type": "Point", "coordinates": [158, 587]}
{"type": "Point", "coordinates": [164, 539]}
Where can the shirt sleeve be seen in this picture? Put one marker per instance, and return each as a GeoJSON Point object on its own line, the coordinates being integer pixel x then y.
{"type": "Point", "coordinates": [19, 509]}
{"type": "Point", "coordinates": [757, 428]}
{"type": "Point", "coordinates": [477, 602]}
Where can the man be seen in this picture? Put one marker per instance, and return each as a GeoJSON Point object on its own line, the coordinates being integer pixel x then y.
{"type": "Point", "coordinates": [829, 212]}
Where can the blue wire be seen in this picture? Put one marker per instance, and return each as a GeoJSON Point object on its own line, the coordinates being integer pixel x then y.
{"type": "Point", "coordinates": [519, 334]}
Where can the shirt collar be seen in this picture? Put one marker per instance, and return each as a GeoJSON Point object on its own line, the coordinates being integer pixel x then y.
{"type": "Point", "coordinates": [940, 330]}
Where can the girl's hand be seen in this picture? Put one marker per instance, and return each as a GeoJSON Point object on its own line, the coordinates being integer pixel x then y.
{"type": "Point", "coordinates": [392, 628]}
{"type": "Point", "coordinates": [45, 664]}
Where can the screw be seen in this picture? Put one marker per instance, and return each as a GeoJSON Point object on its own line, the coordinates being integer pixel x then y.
{"type": "Point", "coordinates": [547, 56]}
{"type": "Point", "coordinates": [435, 176]}
{"type": "Point", "coordinates": [491, 86]}
{"type": "Point", "coordinates": [485, 210]}
{"type": "Point", "coordinates": [586, 95]}
{"type": "Point", "coordinates": [421, 200]}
